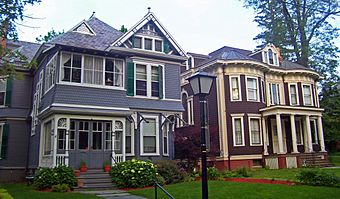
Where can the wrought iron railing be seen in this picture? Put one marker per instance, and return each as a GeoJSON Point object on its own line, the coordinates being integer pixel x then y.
{"type": "Point", "coordinates": [162, 189]}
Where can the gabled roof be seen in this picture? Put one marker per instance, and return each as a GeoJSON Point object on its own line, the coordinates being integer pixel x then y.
{"type": "Point", "coordinates": [103, 36]}
{"type": "Point", "coordinates": [148, 17]}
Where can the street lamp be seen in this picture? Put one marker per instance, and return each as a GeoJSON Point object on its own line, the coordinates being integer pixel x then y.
{"type": "Point", "coordinates": [200, 83]}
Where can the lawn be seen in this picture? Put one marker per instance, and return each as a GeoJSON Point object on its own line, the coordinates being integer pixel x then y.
{"type": "Point", "coordinates": [225, 190]}
{"type": "Point", "coordinates": [334, 158]}
{"type": "Point", "coordinates": [21, 191]}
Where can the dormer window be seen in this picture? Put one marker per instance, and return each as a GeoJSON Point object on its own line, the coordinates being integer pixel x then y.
{"type": "Point", "coordinates": [270, 55]}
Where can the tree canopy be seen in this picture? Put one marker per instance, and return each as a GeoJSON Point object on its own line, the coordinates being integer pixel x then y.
{"type": "Point", "coordinates": [49, 36]}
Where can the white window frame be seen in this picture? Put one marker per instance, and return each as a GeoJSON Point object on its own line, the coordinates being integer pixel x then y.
{"type": "Point", "coordinates": [48, 73]}
{"type": "Point", "coordinates": [231, 88]}
{"type": "Point", "coordinates": [278, 93]}
{"type": "Point", "coordinates": [36, 102]}
{"type": "Point", "coordinates": [233, 117]}
{"type": "Point", "coordinates": [250, 131]}
{"type": "Point", "coordinates": [190, 106]}
{"type": "Point", "coordinates": [153, 43]}
{"type": "Point", "coordinates": [311, 95]}
{"type": "Point", "coordinates": [165, 133]}
{"type": "Point", "coordinates": [4, 79]}
{"type": "Point", "coordinates": [44, 138]}
{"type": "Point", "coordinates": [265, 56]}
{"type": "Point", "coordinates": [257, 89]}
{"type": "Point", "coordinates": [148, 79]}
{"type": "Point", "coordinates": [1, 134]}
{"type": "Point", "coordinates": [82, 72]}
{"type": "Point", "coordinates": [290, 95]}
{"type": "Point", "coordinates": [142, 153]}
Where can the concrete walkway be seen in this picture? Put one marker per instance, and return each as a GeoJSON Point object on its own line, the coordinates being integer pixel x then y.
{"type": "Point", "coordinates": [111, 194]}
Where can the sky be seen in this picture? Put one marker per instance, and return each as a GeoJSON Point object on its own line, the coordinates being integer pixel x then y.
{"type": "Point", "coordinates": [199, 26]}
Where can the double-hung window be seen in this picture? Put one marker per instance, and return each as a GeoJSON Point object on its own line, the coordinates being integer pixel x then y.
{"type": "Point", "coordinates": [150, 136]}
{"type": "Point", "coordinates": [50, 73]}
{"type": "Point", "coordinates": [235, 91]}
{"type": "Point", "coordinates": [148, 80]}
{"type": "Point", "coordinates": [93, 70]}
{"type": "Point", "coordinates": [114, 73]}
{"type": "Point", "coordinates": [190, 107]}
{"type": "Point", "coordinates": [293, 94]}
{"type": "Point", "coordinates": [238, 132]}
{"type": "Point", "coordinates": [47, 138]}
{"type": "Point", "coordinates": [3, 84]}
{"type": "Point", "coordinates": [141, 80]}
{"type": "Point", "coordinates": [71, 67]}
{"type": "Point", "coordinates": [252, 89]}
{"type": "Point", "coordinates": [274, 93]}
{"type": "Point", "coordinates": [255, 131]}
{"type": "Point", "coordinates": [307, 95]}
{"type": "Point", "coordinates": [148, 43]}
{"type": "Point", "coordinates": [166, 139]}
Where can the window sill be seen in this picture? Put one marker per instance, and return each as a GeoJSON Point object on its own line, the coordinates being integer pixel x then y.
{"type": "Point", "coordinates": [255, 144]}
{"type": "Point", "coordinates": [145, 97]}
{"type": "Point", "coordinates": [149, 154]}
{"type": "Point", "coordinates": [92, 86]}
{"type": "Point", "coordinates": [239, 145]}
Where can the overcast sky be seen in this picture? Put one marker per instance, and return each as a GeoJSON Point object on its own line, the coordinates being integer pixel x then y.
{"type": "Point", "coordinates": [200, 26]}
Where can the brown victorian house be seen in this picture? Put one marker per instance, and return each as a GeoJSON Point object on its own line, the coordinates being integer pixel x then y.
{"type": "Point", "coordinates": [263, 111]}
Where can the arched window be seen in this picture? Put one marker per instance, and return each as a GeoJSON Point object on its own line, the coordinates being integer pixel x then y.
{"type": "Point", "coordinates": [270, 56]}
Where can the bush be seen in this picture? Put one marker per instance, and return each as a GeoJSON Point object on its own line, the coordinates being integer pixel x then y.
{"type": "Point", "coordinates": [170, 171]}
{"type": "Point", "coordinates": [62, 188]}
{"type": "Point", "coordinates": [4, 194]}
{"type": "Point", "coordinates": [133, 173]}
{"type": "Point", "coordinates": [318, 178]}
{"type": "Point", "coordinates": [47, 177]}
{"type": "Point", "coordinates": [160, 180]}
{"type": "Point", "coordinates": [243, 172]}
{"type": "Point", "coordinates": [213, 173]}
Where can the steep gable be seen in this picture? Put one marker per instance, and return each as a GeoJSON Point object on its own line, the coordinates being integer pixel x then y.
{"type": "Point", "coordinates": [149, 31]}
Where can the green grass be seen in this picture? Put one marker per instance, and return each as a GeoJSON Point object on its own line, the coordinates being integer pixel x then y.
{"type": "Point", "coordinates": [225, 190]}
{"type": "Point", "coordinates": [334, 158]}
{"type": "Point", "coordinates": [21, 191]}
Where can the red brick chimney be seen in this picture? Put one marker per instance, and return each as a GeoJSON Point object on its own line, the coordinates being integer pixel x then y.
{"type": "Point", "coordinates": [279, 54]}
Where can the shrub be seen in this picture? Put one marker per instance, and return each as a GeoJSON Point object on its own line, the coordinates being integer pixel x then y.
{"type": "Point", "coordinates": [160, 180]}
{"type": "Point", "coordinates": [133, 173]}
{"type": "Point", "coordinates": [170, 171]}
{"type": "Point", "coordinates": [213, 173]}
{"type": "Point", "coordinates": [4, 194]}
{"type": "Point", "coordinates": [243, 172]}
{"type": "Point", "coordinates": [62, 188]}
{"type": "Point", "coordinates": [47, 177]}
{"type": "Point", "coordinates": [318, 178]}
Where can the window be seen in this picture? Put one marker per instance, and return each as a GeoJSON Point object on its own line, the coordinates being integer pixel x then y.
{"type": "Point", "coordinates": [36, 103]}
{"type": "Point", "coordinates": [148, 80]}
{"type": "Point", "coordinates": [263, 93]}
{"type": "Point", "coordinates": [158, 45]}
{"type": "Point", "coordinates": [255, 131]}
{"type": "Point", "coordinates": [274, 93]}
{"type": "Point", "coordinates": [147, 44]}
{"type": "Point", "coordinates": [238, 133]}
{"type": "Point", "coordinates": [141, 80]}
{"type": "Point", "coordinates": [149, 133]}
{"type": "Point", "coordinates": [72, 135]}
{"type": "Point", "coordinates": [270, 56]}
{"type": "Point", "coordinates": [93, 70]}
{"type": "Point", "coordinates": [71, 67]}
{"type": "Point", "coordinates": [47, 138]}
{"type": "Point", "coordinates": [50, 72]}
{"type": "Point", "coordinates": [3, 84]}
{"type": "Point", "coordinates": [128, 141]}
{"type": "Point", "coordinates": [83, 136]}
{"type": "Point", "coordinates": [118, 137]}
{"type": "Point", "coordinates": [314, 131]}
{"type": "Point", "coordinates": [190, 107]}
{"type": "Point", "coordinates": [97, 135]}
{"type": "Point", "coordinates": [165, 139]}
{"type": "Point", "coordinates": [252, 89]}
{"type": "Point", "coordinates": [298, 128]}
{"type": "Point", "coordinates": [1, 135]}
{"type": "Point", "coordinates": [114, 73]}
{"type": "Point", "coordinates": [293, 94]}
{"type": "Point", "coordinates": [235, 89]}
{"type": "Point", "coordinates": [108, 137]}
{"type": "Point", "coordinates": [307, 95]}
{"type": "Point", "coordinates": [61, 144]}
{"type": "Point", "coordinates": [137, 42]}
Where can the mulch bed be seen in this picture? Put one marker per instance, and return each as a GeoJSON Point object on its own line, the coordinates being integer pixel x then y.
{"type": "Point", "coordinates": [260, 181]}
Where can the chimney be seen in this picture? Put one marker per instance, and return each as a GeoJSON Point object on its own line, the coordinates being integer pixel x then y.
{"type": "Point", "coordinates": [279, 54]}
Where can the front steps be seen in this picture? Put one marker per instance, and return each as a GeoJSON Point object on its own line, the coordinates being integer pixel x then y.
{"type": "Point", "coordinates": [94, 179]}
{"type": "Point", "coordinates": [314, 160]}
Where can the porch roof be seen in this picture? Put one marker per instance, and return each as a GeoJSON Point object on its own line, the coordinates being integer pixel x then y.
{"type": "Point", "coordinates": [291, 110]}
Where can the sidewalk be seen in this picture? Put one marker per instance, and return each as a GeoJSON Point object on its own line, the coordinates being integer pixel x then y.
{"type": "Point", "coordinates": [111, 194]}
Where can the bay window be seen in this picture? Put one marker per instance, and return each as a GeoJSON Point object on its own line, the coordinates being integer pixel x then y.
{"type": "Point", "coordinates": [71, 67]}
{"type": "Point", "coordinates": [235, 91]}
{"type": "Point", "coordinates": [252, 89]}
{"type": "Point", "coordinates": [93, 70]}
{"type": "Point", "coordinates": [307, 95]}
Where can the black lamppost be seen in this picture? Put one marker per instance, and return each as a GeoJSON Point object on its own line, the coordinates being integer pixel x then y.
{"type": "Point", "coordinates": [200, 83]}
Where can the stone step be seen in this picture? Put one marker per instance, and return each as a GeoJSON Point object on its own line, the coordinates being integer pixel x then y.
{"type": "Point", "coordinates": [89, 176]}
{"type": "Point", "coordinates": [96, 180]}
{"type": "Point", "coordinates": [97, 185]}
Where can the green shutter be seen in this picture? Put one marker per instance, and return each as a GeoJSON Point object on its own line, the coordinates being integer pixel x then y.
{"type": "Point", "coordinates": [160, 81]}
{"type": "Point", "coordinates": [130, 88]}
{"type": "Point", "coordinates": [4, 142]}
{"type": "Point", "coordinates": [9, 92]}
{"type": "Point", "coordinates": [165, 47]}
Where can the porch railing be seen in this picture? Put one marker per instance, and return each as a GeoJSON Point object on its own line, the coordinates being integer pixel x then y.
{"type": "Point", "coordinates": [61, 159]}
{"type": "Point", "coordinates": [116, 158]}
{"type": "Point", "coordinates": [162, 189]}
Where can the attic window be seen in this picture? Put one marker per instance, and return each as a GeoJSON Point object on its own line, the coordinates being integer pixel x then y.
{"type": "Point", "coordinates": [84, 28]}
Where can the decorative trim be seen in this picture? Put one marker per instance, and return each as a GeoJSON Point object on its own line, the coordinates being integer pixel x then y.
{"type": "Point", "coordinates": [87, 106]}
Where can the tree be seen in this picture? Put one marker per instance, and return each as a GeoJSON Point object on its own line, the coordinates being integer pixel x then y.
{"type": "Point", "coordinates": [48, 37]}
{"type": "Point", "coordinates": [302, 30]}
{"type": "Point", "coordinates": [11, 13]}
{"type": "Point", "coordinates": [123, 29]}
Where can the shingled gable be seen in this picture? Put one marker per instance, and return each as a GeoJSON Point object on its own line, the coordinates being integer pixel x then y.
{"type": "Point", "coordinates": [148, 18]}
{"type": "Point", "coordinates": [103, 35]}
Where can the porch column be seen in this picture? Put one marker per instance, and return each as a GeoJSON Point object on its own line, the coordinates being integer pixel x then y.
{"type": "Point", "coordinates": [309, 146]}
{"type": "Point", "coordinates": [54, 129]}
{"type": "Point", "coordinates": [67, 141]}
{"type": "Point", "coordinates": [293, 129]}
{"type": "Point", "coordinates": [279, 133]}
{"type": "Point", "coordinates": [265, 141]}
{"type": "Point", "coordinates": [320, 134]}
{"type": "Point", "coordinates": [112, 142]}
{"type": "Point", "coordinates": [124, 142]}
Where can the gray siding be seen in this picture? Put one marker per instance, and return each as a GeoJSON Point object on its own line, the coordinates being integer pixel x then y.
{"type": "Point", "coordinates": [152, 104]}
{"type": "Point", "coordinates": [33, 159]}
{"type": "Point", "coordinates": [22, 89]}
{"type": "Point", "coordinates": [172, 81]}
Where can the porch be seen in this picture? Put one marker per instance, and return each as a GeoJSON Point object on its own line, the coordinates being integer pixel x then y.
{"type": "Point", "coordinates": [291, 134]}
